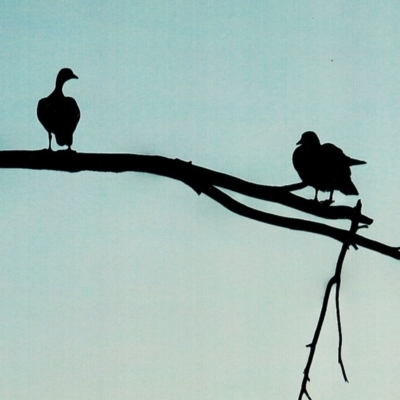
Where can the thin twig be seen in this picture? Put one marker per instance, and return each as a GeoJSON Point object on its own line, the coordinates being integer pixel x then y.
{"type": "Point", "coordinates": [313, 344]}
{"type": "Point", "coordinates": [355, 226]}
{"type": "Point", "coordinates": [340, 360]}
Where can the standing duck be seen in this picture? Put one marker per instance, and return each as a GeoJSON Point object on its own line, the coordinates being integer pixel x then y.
{"type": "Point", "coordinates": [324, 167]}
{"type": "Point", "coordinates": [59, 114]}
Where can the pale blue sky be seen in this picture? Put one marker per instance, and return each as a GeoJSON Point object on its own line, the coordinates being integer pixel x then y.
{"type": "Point", "coordinates": [131, 286]}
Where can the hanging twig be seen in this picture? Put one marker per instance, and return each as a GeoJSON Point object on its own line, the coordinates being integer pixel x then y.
{"type": "Point", "coordinates": [336, 279]}
{"type": "Point", "coordinates": [340, 360]}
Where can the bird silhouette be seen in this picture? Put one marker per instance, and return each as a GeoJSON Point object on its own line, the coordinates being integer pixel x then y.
{"type": "Point", "coordinates": [59, 114]}
{"type": "Point", "coordinates": [324, 167]}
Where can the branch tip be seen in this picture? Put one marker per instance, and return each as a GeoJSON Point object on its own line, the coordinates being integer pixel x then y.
{"type": "Point", "coordinates": [354, 246]}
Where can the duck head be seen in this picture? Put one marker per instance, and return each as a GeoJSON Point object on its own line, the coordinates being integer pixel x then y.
{"type": "Point", "coordinates": [64, 75]}
{"type": "Point", "coordinates": [309, 138]}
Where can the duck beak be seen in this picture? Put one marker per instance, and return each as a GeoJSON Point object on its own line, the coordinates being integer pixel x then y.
{"type": "Point", "coordinates": [74, 76]}
{"type": "Point", "coordinates": [299, 142]}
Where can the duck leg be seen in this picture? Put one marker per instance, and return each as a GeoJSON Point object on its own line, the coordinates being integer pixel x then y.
{"type": "Point", "coordinates": [49, 133]}
{"type": "Point", "coordinates": [316, 195]}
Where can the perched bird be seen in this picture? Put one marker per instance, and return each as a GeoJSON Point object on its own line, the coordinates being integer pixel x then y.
{"type": "Point", "coordinates": [324, 167]}
{"type": "Point", "coordinates": [59, 114]}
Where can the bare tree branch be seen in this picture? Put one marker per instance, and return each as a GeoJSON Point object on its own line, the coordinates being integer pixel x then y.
{"type": "Point", "coordinates": [299, 224]}
{"type": "Point", "coordinates": [194, 176]}
{"type": "Point", "coordinates": [206, 181]}
{"type": "Point", "coordinates": [201, 180]}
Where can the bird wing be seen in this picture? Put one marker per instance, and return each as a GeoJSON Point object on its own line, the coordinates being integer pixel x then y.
{"type": "Point", "coordinates": [59, 116]}
{"type": "Point", "coordinates": [334, 153]}
{"type": "Point", "coordinates": [47, 114]}
{"type": "Point", "coordinates": [336, 166]}
{"type": "Point", "coordinates": [70, 114]}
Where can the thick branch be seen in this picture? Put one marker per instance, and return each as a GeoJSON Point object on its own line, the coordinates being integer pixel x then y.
{"type": "Point", "coordinates": [201, 180]}
{"type": "Point", "coordinates": [194, 176]}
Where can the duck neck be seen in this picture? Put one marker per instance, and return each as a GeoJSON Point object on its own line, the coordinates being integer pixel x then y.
{"type": "Point", "coordinates": [59, 86]}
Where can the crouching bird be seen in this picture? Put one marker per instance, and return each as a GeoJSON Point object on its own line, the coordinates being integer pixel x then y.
{"type": "Point", "coordinates": [324, 167]}
{"type": "Point", "coordinates": [59, 114]}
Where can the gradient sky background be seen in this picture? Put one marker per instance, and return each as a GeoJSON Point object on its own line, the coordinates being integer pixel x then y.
{"type": "Point", "coordinates": [131, 286]}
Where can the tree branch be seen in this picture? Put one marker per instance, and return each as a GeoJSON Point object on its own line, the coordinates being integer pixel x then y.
{"type": "Point", "coordinates": [299, 224]}
{"type": "Point", "coordinates": [194, 176]}
{"type": "Point", "coordinates": [206, 181]}
{"type": "Point", "coordinates": [201, 180]}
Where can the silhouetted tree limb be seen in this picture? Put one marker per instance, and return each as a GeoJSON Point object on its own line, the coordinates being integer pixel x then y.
{"type": "Point", "coordinates": [202, 180]}
{"type": "Point", "coordinates": [206, 181]}
{"type": "Point", "coordinates": [194, 176]}
{"type": "Point", "coordinates": [336, 279]}
{"type": "Point", "coordinates": [299, 224]}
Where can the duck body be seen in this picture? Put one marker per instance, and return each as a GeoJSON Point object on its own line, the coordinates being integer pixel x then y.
{"type": "Point", "coordinates": [324, 167]}
{"type": "Point", "coordinates": [59, 114]}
